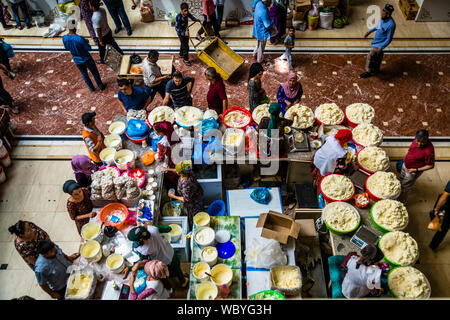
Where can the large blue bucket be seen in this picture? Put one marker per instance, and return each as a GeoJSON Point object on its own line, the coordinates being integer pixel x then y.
{"type": "Point", "coordinates": [217, 208]}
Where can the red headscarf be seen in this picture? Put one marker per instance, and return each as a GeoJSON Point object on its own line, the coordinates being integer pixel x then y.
{"type": "Point", "coordinates": [343, 136]}
{"type": "Point", "coordinates": [167, 129]}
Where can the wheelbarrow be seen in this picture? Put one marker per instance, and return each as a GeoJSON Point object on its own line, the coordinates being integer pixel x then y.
{"type": "Point", "coordinates": [217, 54]}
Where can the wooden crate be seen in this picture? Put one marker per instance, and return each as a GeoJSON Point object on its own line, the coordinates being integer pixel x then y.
{"type": "Point", "coordinates": [165, 62]}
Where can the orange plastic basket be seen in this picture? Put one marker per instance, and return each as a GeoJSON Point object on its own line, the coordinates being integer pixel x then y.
{"type": "Point", "coordinates": [117, 209]}
{"type": "Point", "coordinates": [241, 110]}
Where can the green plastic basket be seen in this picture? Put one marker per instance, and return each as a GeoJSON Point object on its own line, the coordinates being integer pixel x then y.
{"type": "Point", "coordinates": [390, 262]}
{"type": "Point", "coordinates": [382, 229]}
{"type": "Point", "coordinates": [269, 293]}
{"type": "Point", "coordinates": [339, 231]}
{"type": "Point", "coordinates": [393, 293]}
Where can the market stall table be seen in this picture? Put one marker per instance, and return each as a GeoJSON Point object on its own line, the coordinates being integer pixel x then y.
{"type": "Point", "coordinates": [232, 225]}
{"type": "Point", "coordinates": [236, 199]}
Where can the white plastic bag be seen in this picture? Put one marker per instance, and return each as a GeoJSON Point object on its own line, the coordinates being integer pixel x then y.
{"type": "Point", "coordinates": [53, 30]}
{"type": "Point", "coordinates": [265, 253]}
{"type": "Point", "coordinates": [326, 20]}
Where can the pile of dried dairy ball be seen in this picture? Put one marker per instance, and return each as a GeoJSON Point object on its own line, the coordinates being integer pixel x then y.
{"type": "Point", "coordinates": [373, 159]}
{"type": "Point", "coordinates": [329, 114]}
{"type": "Point", "coordinates": [384, 185]}
{"type": "Point", "coordinates": [367, 135]}
{"type": "Point", "coordinates": [400, 248]}
{"type": "Point", "coordinates": [341, 216]}
{"type": "Point", "coordinates": [390, 214]}
{"type": "Point", "coordinates": [337, 187]}
{"type": "Point", "coordinates": [409, 283]}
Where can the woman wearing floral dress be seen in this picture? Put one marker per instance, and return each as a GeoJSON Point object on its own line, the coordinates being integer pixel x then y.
{"type": "Point", "coordinates": [28, 236]}
{"type": "Point", "coordinates": [190, 190]}
{"type": "Point", "coordinates": [79, 204]}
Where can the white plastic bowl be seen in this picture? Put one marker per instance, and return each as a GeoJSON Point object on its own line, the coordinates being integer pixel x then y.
{"type": "Point", "coordinates": [223, 236]}
{"type": "Point", "coordinates": [117, 127]}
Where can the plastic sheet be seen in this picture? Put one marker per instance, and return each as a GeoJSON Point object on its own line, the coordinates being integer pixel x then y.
{"type": "Point", "coordinates": [265, 253]}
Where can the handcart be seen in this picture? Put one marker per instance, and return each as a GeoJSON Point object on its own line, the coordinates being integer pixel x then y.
{"type": "Point", "coordinates": [218, 55]}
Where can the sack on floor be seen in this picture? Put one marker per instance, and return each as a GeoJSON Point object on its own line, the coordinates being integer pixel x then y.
{"type": "Point", "coordinates": [435, 224]}
{"type": "Point", "coordinates": [326, 20]}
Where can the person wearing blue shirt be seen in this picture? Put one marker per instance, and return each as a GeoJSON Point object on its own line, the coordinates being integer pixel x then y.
{"type": "Point", "coordinates": [385, 30]}
{"type": "Point", "coordinates": [79, 48]}
{"type": "Point", "coordinates": [132, 97]}
{"type": "Point", "coordinates": [51, 269]}
{"type": "Point", "coordinates": [261, 27]}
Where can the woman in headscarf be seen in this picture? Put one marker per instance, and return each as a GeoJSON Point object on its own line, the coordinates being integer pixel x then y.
{"type": "Point", "coordinates": [190, 190]}
{"type": "Point", "coordinates": [333, 157]}
{"type": "Point", "coordinates": [79, 204]}
{"type": "Point", "coordinates": [365, 274]}
{"type": "Point", "coordinates": [28, 235]}
{"type": "Point", "coordinates": [150, 245]}
{"type": "Point", "coordinates": [289, 92]}
{"type": "Point", "coordinates": [256, 94]}
{"type": "Point", "coordinates": [275, 122]}
{"type": "Point", "coordinates": [82, 168]}
{"type": "Point", "coordinates": [154, 289]}
{"type": "Point", "coordinates": [278, 14]}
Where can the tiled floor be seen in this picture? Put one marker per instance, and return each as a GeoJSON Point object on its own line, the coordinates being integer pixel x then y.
{"type": "Point", "coordinates": [38, 92]}
{"type": "Point", "coordinates": [160, 34]}
{"type": "Point", "coordinates": [33, 192]}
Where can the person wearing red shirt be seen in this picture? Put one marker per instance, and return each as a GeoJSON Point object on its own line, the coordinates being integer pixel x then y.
{"type": "Point", "coordinates": [419, 158]}
{"type": "Point", "coordinates": [216, 97]}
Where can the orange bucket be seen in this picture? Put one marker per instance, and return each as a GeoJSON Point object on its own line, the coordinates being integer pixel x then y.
{"type": "Point", "coordinates": [117, 210]}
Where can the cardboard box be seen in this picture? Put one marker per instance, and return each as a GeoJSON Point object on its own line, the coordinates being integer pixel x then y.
{"type": "Point", "coordinates": [308, 233]}
{"type": "Point", "coordinates": [278, 226]}
{"type": "Point", "coordinates": [299, 15]}
{"type": "Point", "coordinates": [302, 5]}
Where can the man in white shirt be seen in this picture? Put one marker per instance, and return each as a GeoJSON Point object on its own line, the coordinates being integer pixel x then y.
{"type": "Point", "coordinates": [102, 29]}
{"type": "Point", "coordinates": [153, 78]}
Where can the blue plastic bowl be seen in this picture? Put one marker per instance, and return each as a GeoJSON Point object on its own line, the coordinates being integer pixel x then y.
{"type": "Point", "coordinates": [217, 208]}
{"type": "Point", "coordinates": [225, 250]}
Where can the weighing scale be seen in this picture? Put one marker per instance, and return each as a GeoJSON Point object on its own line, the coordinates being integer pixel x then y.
{"type": "Point", "coordinates": [296, 146]}
{"type": "Point", "coordinates": [363, 237]}
{"type": "Point", "coordinates": [359, 179]}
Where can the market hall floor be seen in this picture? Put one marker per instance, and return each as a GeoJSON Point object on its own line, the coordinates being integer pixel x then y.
{"type": "Point", "coordinates": [33, 192]}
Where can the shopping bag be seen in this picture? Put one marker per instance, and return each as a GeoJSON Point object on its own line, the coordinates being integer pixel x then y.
{"type": "Point", "coordinates": [435, 224]}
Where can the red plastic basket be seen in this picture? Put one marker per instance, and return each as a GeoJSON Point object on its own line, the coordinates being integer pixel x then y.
{"type": "Point", "coordinates": [240, 109]}
{"type": "Point", "coordinates": [331, 199]}
{"type": "Point", "coordinates": [371, 195]}
{"type": "Point", "coordinates": [359, 164]}
{"type": "Point", "coordinates": [108, 209]}
{"type": "Point", "coordinates": [350, 123]}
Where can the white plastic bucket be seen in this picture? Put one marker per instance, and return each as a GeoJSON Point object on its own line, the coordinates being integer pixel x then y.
{"type": "Point", "coordinates": [199, 269]}
{"type": "Point", "coordinates": [209, 255]}
{"type": "Point", "coordinates": [113, 141]}
{"type": "Point", "coordinates": [206, 290]}
{"type": "Point", "coordinates": [91, 251]}
{"type": "Point", "coordinates": [207, 231]}
{"type": "Point", "coordinates": [117, 127]}
{"type": "Point", "coordinates": [175, 233]}
{"type": "Point", "coordinates": [92, 231]}
{"type": "Point", "coordinates": [124, 156]}
{"type": "Point", "coordinates": [202, 219]}
{"type": "Point", "coordinates": [107, 156]}
{"type": "Point", "coordinates": [115, 263]}
{"type": "Point", "coordinates": [222, 274]}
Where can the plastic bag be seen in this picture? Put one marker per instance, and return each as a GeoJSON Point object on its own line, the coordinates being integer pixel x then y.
{"type": "Point", "coordinates": [326, 20]}
{"type": "Point", "coordinates": [261, 195]}
{"type": "Point", "coordinates": [53, 30]}
{"type": "Point", "coordinates": [137, 128]}
{"type": "Point", "coordinates": [208, 124]}
{"type": "Point", "coordinates": [435, 224]}
{"type": "Point", "coordinates": [265, 253]}
{"type": "Point", "coordinates": [313, 17]}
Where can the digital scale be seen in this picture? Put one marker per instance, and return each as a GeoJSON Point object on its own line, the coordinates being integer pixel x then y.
{"type": "Point", "coordinates": [295, 146]}
{"type": "Point", "coordinates": [363, 237]}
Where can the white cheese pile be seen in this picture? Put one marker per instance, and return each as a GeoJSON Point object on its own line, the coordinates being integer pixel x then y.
{"type": "Point", "coordinates": [286, 278]}
{"type": "Point", "coordinates": [304, 117]}
{"type": "Point", "coordinates": [409, 283]}
{"type": "Point", "coordinates": [329, 114]}
{"type": "Point", "coordinates": [341, 216]}
{"type": "Point", "coordinates": [367, 135]}
{"type": "Point", "coordinates": [260, 112]}
{"type": "Point", "coordinates": [360, 113]}
{"type": "Point", "coordinates": [162, 113]}
{"type": "Point", "coordinates": [384, 185]}
{"type": "Point", "coordinates": [136, 114]}
{"type": "Point", "coordinates": [189, 116]}
{"type": "Point", "coordinates": [204, 236]}
{"type": "Point", "coordinates": [390, 214]}
{"type": "Point", "coordinates": [337, 187]}
{"type": "Point", "coordinates": [400, 248]}
{"type": "Point", "coordinates": [236, 119]}
{"type": "Point", "coordinates": [373, 159]}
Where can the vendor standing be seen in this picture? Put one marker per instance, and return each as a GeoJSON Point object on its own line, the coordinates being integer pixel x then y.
{"type": "Point", "coordinates": [150, 245]}
{"type": "Point", "coordinates": [92, 137]}
{"type": "Point", "coordinates": [289, 92]}
{"type": "Point", "coordinates": [256, 94]}
{"type": "Point", "coordinates": [275, 122]}
{"type": "Point", "coordinates": [333, 156]}
{"type": "Point", "coordinates": [190, 190]}
{"type": "Point", "coordinates": [132, 97]}
{"type": "Point", "coordinates": [153, 77]}
{"type": "Point", "coordinates": [179, 89]}
{"type": "Point", "coordinates": [79, 204]}
{"type": "Point", "coordinates": [82, 168]}
{"type": "Point", "coordinates": [217, 96]}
